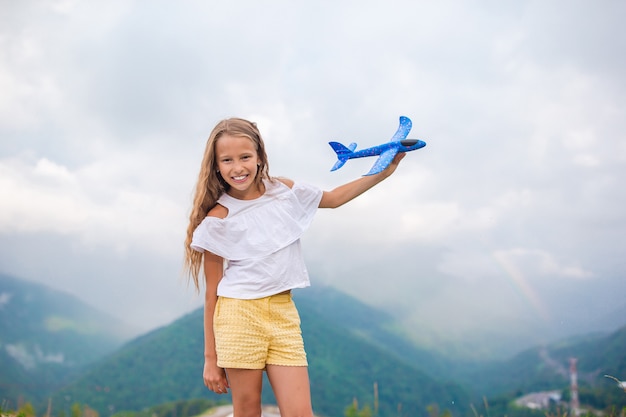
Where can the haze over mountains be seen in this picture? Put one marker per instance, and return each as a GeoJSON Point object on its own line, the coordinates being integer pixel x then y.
{"type": "Point", "coordinates": [54, 346]}
{"type": "Point", "coordinates": [51, 335]}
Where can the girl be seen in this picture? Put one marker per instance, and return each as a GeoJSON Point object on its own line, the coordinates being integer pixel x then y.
{"type": "Point", "coordinates": [244, 233]}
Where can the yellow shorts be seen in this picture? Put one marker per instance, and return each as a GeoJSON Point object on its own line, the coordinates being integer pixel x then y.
{"type": "Point", "coordinates": [250, 334]}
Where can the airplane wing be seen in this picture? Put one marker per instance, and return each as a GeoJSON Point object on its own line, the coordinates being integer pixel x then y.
{"type": "Point", "coordinates": [384, 160]}
{"type": "Point", "coordinates": [403, 129]}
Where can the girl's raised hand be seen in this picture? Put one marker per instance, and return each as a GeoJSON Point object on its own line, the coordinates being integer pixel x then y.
{"type": "Point", "coordinates": [394, 164]}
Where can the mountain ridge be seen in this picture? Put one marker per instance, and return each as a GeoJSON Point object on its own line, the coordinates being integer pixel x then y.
{"type": "Point", "coordinates": [341, 367]}
{"type": "Point", "coordinates": [50, 334]}
{"type": "Point", "coordinates": [351, 346]}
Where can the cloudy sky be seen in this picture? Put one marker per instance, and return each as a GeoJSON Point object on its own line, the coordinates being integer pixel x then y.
{"type": "Point", "coordinates": [511, 218]}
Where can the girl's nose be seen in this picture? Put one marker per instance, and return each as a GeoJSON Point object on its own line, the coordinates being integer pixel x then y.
{"type": "Point", "coordinates": [238, 167]}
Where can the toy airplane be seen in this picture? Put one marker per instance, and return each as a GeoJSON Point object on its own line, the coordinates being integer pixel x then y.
{"type": "Point", "coordinates": [387, 151]}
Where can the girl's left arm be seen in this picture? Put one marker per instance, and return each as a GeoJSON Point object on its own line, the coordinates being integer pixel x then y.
{"type": "Point", "coordinates": [344, 193]}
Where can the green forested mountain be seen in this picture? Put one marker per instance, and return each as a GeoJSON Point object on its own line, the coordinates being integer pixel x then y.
{"type": "Point", "coordinates": [548, 368]}
{"type": "Point", "coordinates": [50, 341]}
{"type": "Point", "coordinates": [349, 351]}
{"type": "Point", "coordinates": [540, 368]}
{"type": "Point", "coordinates": [46, 337]}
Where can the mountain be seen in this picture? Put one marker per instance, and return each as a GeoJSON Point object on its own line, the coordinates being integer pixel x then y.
{"type": "Point", "coordinates": [48, 336]}
{"type": "Point", "coordinates": [51, 341]}
{"type": "Point", "coordinates": [350, 348]}
{"type": "Point", "coordinates": [548, 368]}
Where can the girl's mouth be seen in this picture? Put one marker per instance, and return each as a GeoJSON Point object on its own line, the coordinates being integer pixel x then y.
{"type": "Point", "coordinates": [240, 178]}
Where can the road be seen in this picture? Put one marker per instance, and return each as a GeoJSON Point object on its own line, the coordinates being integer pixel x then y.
{"type": "Point", "coordinates": [227, 411]}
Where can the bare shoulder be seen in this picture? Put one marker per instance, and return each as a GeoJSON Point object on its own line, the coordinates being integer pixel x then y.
{"type": "Point", "coordinates": [218, 211]}
{"type": "Point", "coordinates": [286, 181]}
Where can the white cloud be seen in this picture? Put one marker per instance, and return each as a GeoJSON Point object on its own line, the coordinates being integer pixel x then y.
{"type": "Point", "coordinates": [539, 264]}
{"type": "Point", "coordinates": [96, 204]}
{"type": "Point", "coordinates": [20, 353]}
{"type": "Point", "coordinates": [30, 357]}
{"type": "Point", "coordinates": [106, 108]}
{"type": "Point", "coordinates": [38, 197]}
{"type": "Point", "coordinates": [5, 297]}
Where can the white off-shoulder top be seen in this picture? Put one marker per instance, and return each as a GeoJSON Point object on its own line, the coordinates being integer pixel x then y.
{"type": "Point", "coordinates": [260, 239]}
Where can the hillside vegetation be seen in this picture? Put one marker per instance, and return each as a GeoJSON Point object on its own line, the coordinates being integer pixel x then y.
{"type": "Point", "coordinates": [48, 336]}
{"type": "Point", "coordinates": [166, 365]}
{"type": "Point", "coordinates": [352, 349]}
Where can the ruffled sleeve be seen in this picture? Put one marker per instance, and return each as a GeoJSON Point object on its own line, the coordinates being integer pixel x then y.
{"type": "Point", "coordinates": [262, 227]}
{"type": "Point", "coordinates": [308, 196]}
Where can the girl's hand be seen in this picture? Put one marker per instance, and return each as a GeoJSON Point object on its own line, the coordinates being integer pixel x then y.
{"type": "Point", "coordinates": [215, 378]}
{"type": "Point", "coordinates": [394, 164]}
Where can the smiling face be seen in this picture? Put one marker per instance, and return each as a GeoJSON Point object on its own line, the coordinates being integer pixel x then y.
{"type": "Point", "coordinates": [238, 163]}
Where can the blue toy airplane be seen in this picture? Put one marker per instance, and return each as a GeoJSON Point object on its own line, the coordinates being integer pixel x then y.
{"type": "Point", "coordinates": [387, 151]}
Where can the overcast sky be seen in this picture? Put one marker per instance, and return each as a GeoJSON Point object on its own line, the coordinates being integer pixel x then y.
{"type": "Point", "coordinates": [513, 215]}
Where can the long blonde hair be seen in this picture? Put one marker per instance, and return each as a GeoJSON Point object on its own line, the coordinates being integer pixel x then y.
{"type": "Point", "coordinates": [211, 185]}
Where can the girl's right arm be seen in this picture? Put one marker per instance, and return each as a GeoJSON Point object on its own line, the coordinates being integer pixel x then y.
{"type": "Point", "coordinates": [344, 193]}
{"type": "Point", "coordinates": [214, 376]}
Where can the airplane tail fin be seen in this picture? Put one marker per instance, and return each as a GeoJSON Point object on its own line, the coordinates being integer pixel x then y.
{"type": "Point", "coordinates": [343, 153]}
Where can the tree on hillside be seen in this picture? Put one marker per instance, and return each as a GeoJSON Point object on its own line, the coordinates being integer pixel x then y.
{"type": "Point", "coordinates": [353, 410]}
{"type": "Point", "coordinates": [26, 410]}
